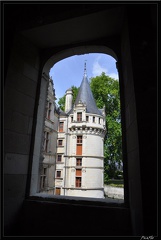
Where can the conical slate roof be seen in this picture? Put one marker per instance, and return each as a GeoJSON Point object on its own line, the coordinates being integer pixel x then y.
{"type": "Point", "coordinates": [85, 96]}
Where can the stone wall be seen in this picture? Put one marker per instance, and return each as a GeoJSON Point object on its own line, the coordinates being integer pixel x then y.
{"type": "Point", "coordinates": [114, 192]}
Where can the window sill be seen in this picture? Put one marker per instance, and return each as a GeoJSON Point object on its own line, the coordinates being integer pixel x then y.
{"type": "Point", "coordinates": [107, 202]}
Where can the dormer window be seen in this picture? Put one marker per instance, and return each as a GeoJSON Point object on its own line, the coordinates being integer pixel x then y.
{"type": "Point", "coordinates": [79, 117]}
{"type": "Point", "coordinates": [87, 118]}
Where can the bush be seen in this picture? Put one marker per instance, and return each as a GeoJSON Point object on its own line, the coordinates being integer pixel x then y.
{"type": "Point", "coordinates": [118, 175]}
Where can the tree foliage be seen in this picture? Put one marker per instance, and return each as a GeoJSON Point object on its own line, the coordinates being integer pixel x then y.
{"type": "Point", "coordinates": [106, 93]}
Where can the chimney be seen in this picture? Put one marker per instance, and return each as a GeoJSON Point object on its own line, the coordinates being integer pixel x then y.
{"type": "Point", "coordinates": [68, 100]}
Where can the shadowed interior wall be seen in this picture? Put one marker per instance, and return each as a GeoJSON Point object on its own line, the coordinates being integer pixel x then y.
{"type": "Point", "coordinates": [135, 47]}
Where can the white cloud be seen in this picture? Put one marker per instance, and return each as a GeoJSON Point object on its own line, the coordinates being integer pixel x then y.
{"type": "Point", "coordinates": [98, 69]}
{"type": "Point", "coordinates": [113, 75]}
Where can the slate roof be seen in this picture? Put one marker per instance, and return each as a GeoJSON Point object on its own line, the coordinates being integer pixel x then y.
{"type": "Point", "coordinates": [85, 96]}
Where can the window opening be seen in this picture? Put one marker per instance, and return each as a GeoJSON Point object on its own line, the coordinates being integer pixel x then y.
{"type": "Point", "coordinates": [78, 182]}
{"type": "Point", "coordinates": [58, 174]}
{"type": "Point", "coordinates": [57, 191]}
{"type": "Point", "coordinates": [79, 117]}
{"type": "Point", "coordinates": [48, 110]}
{"type": "Point", "coordinates": [60, 142]}
{"type": "Point", "coordinates": [59, 158]}
{"type": "Point", "coordinates": [78, 143]}
{"type": "Point", "coordinates": [78, 161]}
{"type": "Point", "coordinates": [61, 126]}
{"type": "Point", "coordinates": [46, 141]}
{"type": "Point", "coordinates": [43, 178]}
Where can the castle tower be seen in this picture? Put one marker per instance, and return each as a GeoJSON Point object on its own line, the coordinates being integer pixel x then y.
{"type": "Point", "coordinates": [83, 162]}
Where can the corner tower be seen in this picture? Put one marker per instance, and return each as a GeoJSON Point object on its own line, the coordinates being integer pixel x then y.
{"type": "Point", "coordinates": [84, 164]}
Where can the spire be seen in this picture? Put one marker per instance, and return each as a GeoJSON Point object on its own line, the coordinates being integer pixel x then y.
{"type": "Point", "coordinates": [85, 71]}
{"type": "Point", "coordinates": [85, 95]}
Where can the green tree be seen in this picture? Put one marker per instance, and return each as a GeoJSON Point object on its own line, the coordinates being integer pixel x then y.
{"type": "Point", "coordinates": [106, 93]}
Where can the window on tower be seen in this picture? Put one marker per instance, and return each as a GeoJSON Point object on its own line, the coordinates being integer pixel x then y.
{"type": "Point", "coordinates": [78, 161]}
{"type": "Point", "coordinates": [61, 126]}
{"type": "Point", "coordinates": [78, 181]}
{"type": "Point", "coordinates": [79, 116]}
{"type": "Point", "coordinates": [79, 139]}
{"type": "Point", "coordinates": [79, 145]}
{"type": "Point", "coordinates": [79, 172]}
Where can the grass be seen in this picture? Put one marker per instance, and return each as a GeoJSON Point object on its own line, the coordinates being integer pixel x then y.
{"type": "Point", "coordinates": [116, 183]}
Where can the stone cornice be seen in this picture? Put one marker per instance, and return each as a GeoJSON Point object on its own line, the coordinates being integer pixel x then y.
{"type": "Point", "coordinates": [88, 131]}
{"type": "Point", "coordinates": [83, 188]}
{"type": "Point", "coordinates": [84, 156]}
{"type": "Point", "coordinates": [83, 167]}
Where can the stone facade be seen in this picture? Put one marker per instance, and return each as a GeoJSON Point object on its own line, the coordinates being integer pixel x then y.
{"type": "Point", "coordinates": [47, 167]}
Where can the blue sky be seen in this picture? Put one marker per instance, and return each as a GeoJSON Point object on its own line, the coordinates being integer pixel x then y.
{"type": "Point", "coordinates": [70, 70]}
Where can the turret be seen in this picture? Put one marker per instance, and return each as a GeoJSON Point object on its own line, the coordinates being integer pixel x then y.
{"type": "Point", "coordinates": [68, 100]}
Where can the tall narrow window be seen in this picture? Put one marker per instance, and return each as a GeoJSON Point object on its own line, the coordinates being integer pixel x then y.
{"type": "Point", "coordinates": [93, 119]}
{"type": "Point", "coordinates": [46, 141]}
{"type": "Point", "coordinates": [71, 119]}
{"type": "Point", "coordinates": [61, 126]}
{"type": "Point", "coordinates": [43, 177]}
{"type": "Point", "coordinates": [79, 145]}
{"type": "Point", "coordinates": [78, 181]}
{"type": "Point", "coordinates": [87, 118]}
{"type": "Point", "coordinates": [48, 114]}
{"type": "Point", "coordinates": [78, 161]}
{"type": "Point", "coordinates": [79, 116]}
